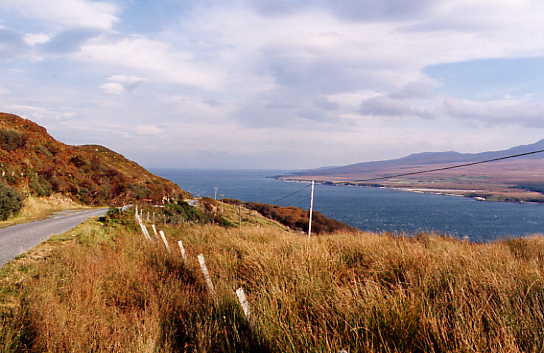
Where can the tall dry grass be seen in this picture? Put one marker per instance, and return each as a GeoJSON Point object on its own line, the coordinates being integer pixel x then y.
{"type": "Point", "coordinates": [361, 293]}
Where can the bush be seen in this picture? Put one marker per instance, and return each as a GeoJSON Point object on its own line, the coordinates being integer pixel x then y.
{"type": "Point", "coordinates": [40, 186]}
{"type": "Point", "coordinates": [182, 212]}
{"type": "Point", "coordinates": [78, 161]}
{"type": "Point", "coordinates": [11, 202]}
{"type": "Point", "coordinates": [139, 191]}
{"type": "Point", "coordinates": [11, 140]}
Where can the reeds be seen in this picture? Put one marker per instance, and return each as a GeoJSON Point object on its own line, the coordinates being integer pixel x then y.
{"type": "Point", "coordinates": [362, 293]}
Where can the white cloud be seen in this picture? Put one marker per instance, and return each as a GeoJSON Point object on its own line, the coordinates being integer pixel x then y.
{"type": "Point", "coordinates": [148, 130]}
{"type": "Point", "coordinates": [129, 83]}
{"type": "Point", "coordinates": [128, 80]}
{"type": "Point", "coordinates": [279, 77]}
{"type": "Point", "coordinates": [154, 58]}
{"type": "Point", "coordinates": [385, 106]}
{"type": "Point", "coordinates": [66, 13]}
{"type": "Point", "coordinates": [113, 88]}
{"type": "Point", "coordinates": [36, 38]}
{"type": "Point", "coordinates": [313, 53]}
{"type": "Point", "coordinates": [119, 84]}
{"type": "Point", "coordinates": [524, 112]}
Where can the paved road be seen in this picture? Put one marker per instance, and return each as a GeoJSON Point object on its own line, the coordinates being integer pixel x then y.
{"type": "Point", "coordinates": [17, 239]}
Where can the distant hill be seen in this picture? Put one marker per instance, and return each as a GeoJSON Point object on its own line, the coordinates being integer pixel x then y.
{"type": "Point", "coordinates": [34, 162]}
{"type": "Point", "coordinates": [425, 158]}
{"type": "Point", "coordinates": [517, 179]}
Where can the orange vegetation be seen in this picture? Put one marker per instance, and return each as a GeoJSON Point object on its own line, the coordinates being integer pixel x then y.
{"type": "Point", "coordinates": [34, 162]}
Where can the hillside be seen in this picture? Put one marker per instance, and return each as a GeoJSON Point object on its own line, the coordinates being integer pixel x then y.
{"type": "Point", "coordinates": [103, 287]}
{"type": "Point", "coordinates": [295, 218]}
{"type": "Point", "coordinates": [519, 179]}
{"type": "Point", "coordinates": [35, 163]}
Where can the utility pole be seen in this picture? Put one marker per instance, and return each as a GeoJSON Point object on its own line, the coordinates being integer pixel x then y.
{"type": "Point", "coordinates": [311, 210]}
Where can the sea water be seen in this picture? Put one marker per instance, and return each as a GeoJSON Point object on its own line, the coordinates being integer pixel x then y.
{"type": "Point", "coordinates": [372, 209]}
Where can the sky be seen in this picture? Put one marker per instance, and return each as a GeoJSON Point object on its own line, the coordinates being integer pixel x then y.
{"type": "Point", "coordinates": [276, 84]}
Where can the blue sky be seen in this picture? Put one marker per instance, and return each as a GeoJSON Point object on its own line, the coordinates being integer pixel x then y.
{"type": "Point", "coordinates": [491, 78]}
{"type": "Point", "coordinates": [276, 83]}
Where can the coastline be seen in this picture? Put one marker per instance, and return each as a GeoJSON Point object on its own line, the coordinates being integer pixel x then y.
{"type": "Point", "coordinates": [475, 194]}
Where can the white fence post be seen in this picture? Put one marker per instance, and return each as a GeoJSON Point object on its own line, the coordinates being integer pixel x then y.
{"type": "Point", "coordinates": [144, 230]}
{"type": "Point", "coordinates": [182, 250]}
{"type": "Point", "coordinates": [243, 302]}
{"type": "Point", "coordinates": [155, 230]}
{"type": "Point", "coordinates": [163, 237]}
{"type": "Point", "coordinates": [206, 274]}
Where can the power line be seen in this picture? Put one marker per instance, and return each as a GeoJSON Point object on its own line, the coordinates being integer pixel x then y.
{"type": "Point", "coordinates": [291, 194]}
{"type": "Point", "coordinates": [451, 167]}
{"type": "Point", "coordinates": [419, 172]}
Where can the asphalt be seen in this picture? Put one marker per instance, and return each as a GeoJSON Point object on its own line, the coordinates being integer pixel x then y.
{"type": "Point", "coordinates": [20, 238]}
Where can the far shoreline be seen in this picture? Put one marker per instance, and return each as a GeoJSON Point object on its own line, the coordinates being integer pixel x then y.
{"type": "Point", "coordinates": [476, 195]}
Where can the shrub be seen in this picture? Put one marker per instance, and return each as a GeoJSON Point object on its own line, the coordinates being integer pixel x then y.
{"type": "Point", "coordinates": [78, 161]}
{"type": "Point", "coordinates": [11, 140]}
{"type": "Point", "coordinates": [11, 202]}
{"type": "Point", "coordinates": [52, 148]}
{"type": "Point", "coordinates": [139, 191]}
{"type": "Point", "coordinates": [43, 150]}
{"type": "Point", "coordinates": [40, 186]}
{"type": "Point", "coordinates": [181, 212]}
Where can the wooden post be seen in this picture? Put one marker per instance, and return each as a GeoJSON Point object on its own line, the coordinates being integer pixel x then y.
{"type": "Point", "coordinates": [155, 231]}
{"type": "Point", "coordinates": [206, 274]}
{"type": "Point", "coordinates": [144, 230]}
{"type": "Point", "coordinates": [182, 250]}
{"type": "Point", "coordinates": [243, 302]}
{"type": "Point", "coordinates": [163, 237]}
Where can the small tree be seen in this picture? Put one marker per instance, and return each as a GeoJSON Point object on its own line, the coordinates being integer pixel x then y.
{"type": "Point", "coordinates": [11, 202]}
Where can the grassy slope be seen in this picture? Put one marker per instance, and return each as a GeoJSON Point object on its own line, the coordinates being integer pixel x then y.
{"type": "Point", "coordinates": [106, 289]}
{"type": "Point", "coordinates": [294, 217]}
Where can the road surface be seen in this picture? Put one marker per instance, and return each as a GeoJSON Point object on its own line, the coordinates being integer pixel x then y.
{"type": "Point", "coordinates": [20, 238]}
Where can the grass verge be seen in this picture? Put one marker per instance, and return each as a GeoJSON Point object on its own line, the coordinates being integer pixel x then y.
{"type": "Point", "coordinates": [37, 208]}
{"type": "Point", "coordinates": [106, 289]}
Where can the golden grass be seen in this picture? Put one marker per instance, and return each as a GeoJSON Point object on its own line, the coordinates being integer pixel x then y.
{"type": "Point", "coordinates": [35, 208]}
{"type": "Point", "coordinates": [111, 291]}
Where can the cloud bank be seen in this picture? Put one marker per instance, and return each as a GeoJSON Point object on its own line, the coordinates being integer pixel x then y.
{"type": "Point", "coordinates": [277, 84]}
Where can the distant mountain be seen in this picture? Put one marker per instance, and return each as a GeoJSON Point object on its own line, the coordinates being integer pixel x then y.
{"type": "Point", "coordinates": [34, 162]}
{"type": "Point", "coordinates": [423, 159]}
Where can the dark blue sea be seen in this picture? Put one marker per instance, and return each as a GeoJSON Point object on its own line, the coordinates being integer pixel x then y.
{"type": "Point", "coordinates": [371, 209]}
